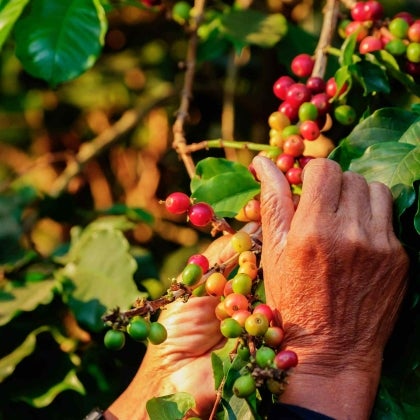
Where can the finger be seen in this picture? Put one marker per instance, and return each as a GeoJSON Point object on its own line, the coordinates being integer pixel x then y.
{"type": "Point", "coordinates": [321, 187]}
{"type": "Point", "coordinates": [381, 208]}
{"type": "Point", "coordinates": [277, 208]}
{"type": "Point", "coordinates": [355, 198]}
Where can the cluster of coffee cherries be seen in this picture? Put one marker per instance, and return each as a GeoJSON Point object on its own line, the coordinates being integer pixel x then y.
{"type": "Point", "coordinates": [138, 328]}
{"type": "Point", "coordinates": [399, 35]}
{"type": "Point", "coordinates": [243, 316]}
{"type": "Point", "coordinates": [307, 103]}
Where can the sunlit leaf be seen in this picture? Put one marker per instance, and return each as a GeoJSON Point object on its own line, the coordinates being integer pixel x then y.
{"type": "Point", "coordinates": [227, 186]}
{"type": "Point", "coordinates": [101, 270]}
{"type": "Point", "coordinates": [251, 27]}
{"type": "Point", "coordinates": [170, 407]}
{"type": "Point", "coordinates": [16, 297]}
{"type": "Point", "coordinates": [58, 40]}
{"type": "Point", "coordinates": [391, 163]}
{"type": "Point", "coordinates": [9, 14]}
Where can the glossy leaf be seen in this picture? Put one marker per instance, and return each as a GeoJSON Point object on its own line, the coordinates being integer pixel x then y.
{"type": "Point", "coordinates": [347, 50]}
{"type": "Point", "coordinates": [58, 40]}
{"type": "Point", "coordinates": [371, 77]}
{"type": "Point", "coordinates": [227, 186]}
{"type": "Point", "coordinates": [391, 163]}
{"type": "Point", "coordinates": [251, 27]}
{"type": "Point", "coordinates": [101, 271]}
{"type": "Point", "coordinates": [10, 12]}
{"type": "Point", "coordinates": [170, 407]}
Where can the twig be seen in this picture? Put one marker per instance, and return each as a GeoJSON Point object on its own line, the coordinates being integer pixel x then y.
{"type": "Point", "coordinates": [329, 24]}
{"type": "Point", "coordinates": [179, 141]}
{"type": "Point", "coordinates": [107, 138]}
{"type": "Point", "coordinates": [220, 143]}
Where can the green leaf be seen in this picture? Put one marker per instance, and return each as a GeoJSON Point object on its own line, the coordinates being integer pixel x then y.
{"type": "Point", "coordinates": [170, 407]}
{"type": "Point", "coordinates": [371, 77]}
{"type": "Point", "coordinates": [58, 40]}
{"type": "Point", "coordinates": [384, 125]}
{"type": "Point", "coordinates": [391, 163]}
{"type": "Point", "coordinates": [9, 362]}
{"type": "Point", "coordinates": [417, 216]}
{"type": "Point", "coordinates": [347, 50]}
{"type": "Point", "coordinates": [227, 186]}
{"type": "Point", "coordinates": [101, 270]}
{"type": "Point", "coordinates": [251, 27]}
{"type": "Point", "coordinates": [42, 399]}
{"type": "Point", "coordinates": [16, 297]}
{"type": "Point", "coordinates": [404, 198]}
{"type": "Point", "coordinates": [9, 14]}
{"type": "Point", "coordinates": [342, 77]}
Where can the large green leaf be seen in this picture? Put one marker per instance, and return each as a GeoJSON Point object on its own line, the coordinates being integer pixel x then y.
{"type": "Point", "coordinates": [227, 186]}
{"type": "Point", "coordinates": [170, 407]}
{"type": "Point", "coordinates": [9, 14]}
{"type": "Point", "coordinates": [58, 40]}
{"type": "Point", "coordinates": [251, 27]}
{"type": "Point", "coordinates": [101, 270]}
{"type": "Point", "coordinates": [384, 125]}
{"type": "Point", "coordinates": [391, 163]}
{"type": "Point", "coordinates": [16, 297]}
{"type": "Point", "coordinates": [372, 77]}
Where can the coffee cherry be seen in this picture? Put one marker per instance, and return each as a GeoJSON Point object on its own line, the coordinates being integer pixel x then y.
{"type": "Point", "coordinates": [370, 44]}
{"type": "Point", "coordinates": [398, 27]}
{"type": "Point", "coordinates": [177, 203]}
{"type": "Point", "coordinates": [235, 302]}
{"type": "Point", "coordinates": [215, 284]}
{"type": "Point", "coordinates": [359, 12]}
{"type": "Point", "coordinates": [251, 212]}
{"type": "Point", "coordinates": [200, 260]}
{"type": "Point", "coordinates": [244, 386]}
{"type": "Point", "coordinates": [241, 241]}
{"type": "Point", "coordinates": [157, 333]}
{"type": "Point", "coordinates": [241, 316]}
{"type": "Point", "coordinates": [263, 308]}
{"type": "Point", "coordinates": [309, 130]}
{"type": "Point", "coordinates": [412, 68]}
{"type": "Point", "coordinates": [281, 85]}
{"type": "Point", "coordinates": [315, 84]}
{"type": "Point", "coordinates": [264, 356]}
{"type": "Point", "coordinates": [359, 28]}
{"type": "Point", "coordinates": [302, 65]}
{"type": "Point", "coordinates": [331, 88]}
{"type": "Point", "coordinates": [284, 162]}
{"type": "Point", "coordinates": [308, 111]}
{"type": "Point", "coordinates": [294, 176]}
{"type": "Point", "coordinates": [275, 387]}
{"type": "Point", "coordinates": [243, 352]}
{"type": "Point", "coordinates": [256, 324]}
{"type": "Point", "coordinates": [247, 257]}
{"type": "Point", "coordinates": [322, 103]}
{"type": "Point", "coordinates": [273, 336]}
{"type": "Point", "coordinates": [278, 120]}
{"type": "Point", "coordinates": [374, 10]}
{"type": "Point", "coordinates": [289, 109]}
{"type": "Point", "coordinates": [345, 114]}
{"type": "Point", "coordinates": [191, 274]}
{"type": "Point", "coordinates": [230, 328]}
{"type": "Point", "coordinates": [294, 146]}
{"type": "Point", "coordinates": [220, 311]}
{"type": "Point", "coordinates": [303, 160]}
{"type": "Point", "coordinates": [181, 12]}
{"type": "Point", "coordinates": [297, 94]}
{"type": "Point", "coordinates": [290, 130]}
{"type": "Point", "coordinates": [249, 268]}
{"type": "Point", "coordinates": [200, 214]}
{"type": "Point", "coordinates": [413, 52]}
{"type": "Point", "coordinates": [138, 329]}
{"type": "Point", "coordinates": [242, 283]}
{"type": "Point", "coordinates": [286, 359]}
{"type": "Point", "coordinates": [413, 33]}
{"type": "Point", "coordinates": [114, 339]}
{"type": "Point", "coordinates": [396, 47]}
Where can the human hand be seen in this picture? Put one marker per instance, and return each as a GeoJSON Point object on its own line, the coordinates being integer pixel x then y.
{"type": "Point", "coordinates": [339, 280]}
{"type": "Point", "coordinates": [182, 363]}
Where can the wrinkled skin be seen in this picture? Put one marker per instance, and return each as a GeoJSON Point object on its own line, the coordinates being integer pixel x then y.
{"type": "Point", "coordinates": [335, 273]}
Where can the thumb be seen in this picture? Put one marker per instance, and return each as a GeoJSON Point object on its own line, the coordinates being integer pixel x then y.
{"type": "Point", "coordinates": [277, 208]}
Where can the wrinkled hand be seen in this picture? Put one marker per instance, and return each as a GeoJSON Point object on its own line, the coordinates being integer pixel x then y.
{"type": "Point", "coordinates": [182, 363]}
{"type": "Point", "coordinates": [334, 269]}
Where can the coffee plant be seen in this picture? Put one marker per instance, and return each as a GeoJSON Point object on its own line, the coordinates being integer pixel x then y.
{"type": "Point", "coordinates": [127, 133]}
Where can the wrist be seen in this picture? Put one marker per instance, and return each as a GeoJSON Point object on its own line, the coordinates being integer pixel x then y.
{"type": "Point", "coordinates": [338, 391]}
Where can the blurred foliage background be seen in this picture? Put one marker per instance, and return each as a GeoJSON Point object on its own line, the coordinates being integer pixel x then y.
{"type": "Point", "coordinates": [101, 145]}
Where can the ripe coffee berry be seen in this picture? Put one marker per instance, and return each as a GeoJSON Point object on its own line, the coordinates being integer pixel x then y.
{"type": "Point", "coordinates": [200, 260]}
{"type": "Point", "coordinates": [315, 84]}
{"type": "Point", "coordinates": [177, 203]}
{"type": "Point", "coordinates": [294, 176]}
{"type": "Point", "coordinates": [290, 110]}
{"type": "Point", "coordinates": [281, 85]}
{"type": "Point", "coordinates": [286, 359]}
{"type": "Point", "coordinates": [309, 130]}
{"type": "Point", "coordinates": [297, 94]}
{"type": "Point", "coordinates": [200, 214]}
{"type": "Point", "coordinates": [284, 162]}
{"type": "Point", "coordinates": [294, 145]}
{"type": "Point", "coordinates": [302, 65]}
{"type": "Point", "coordinates": [370, 44]}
